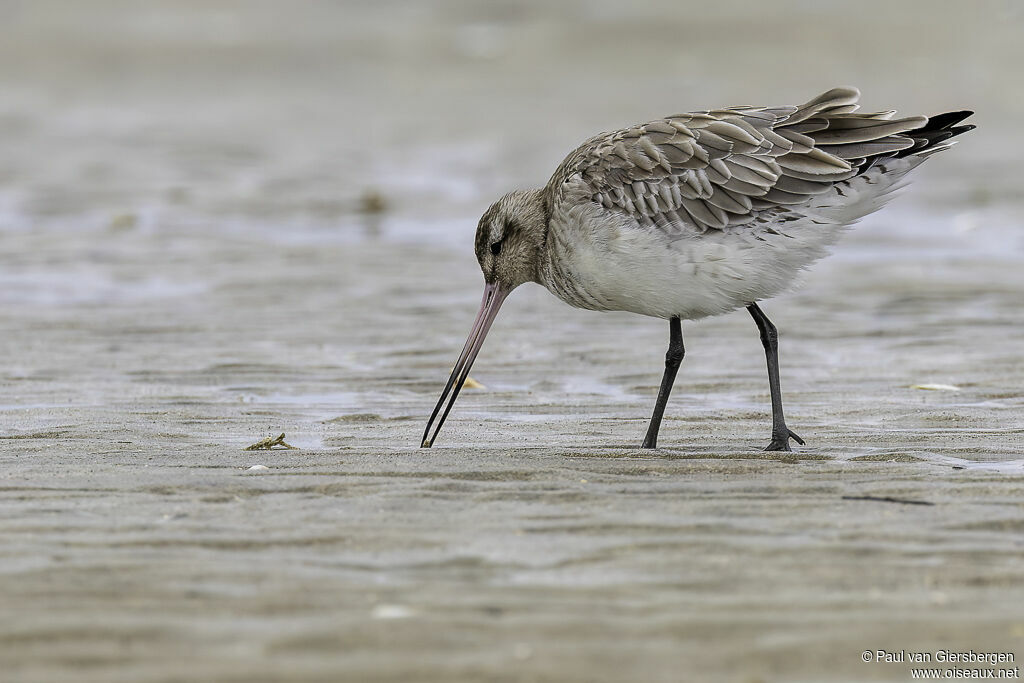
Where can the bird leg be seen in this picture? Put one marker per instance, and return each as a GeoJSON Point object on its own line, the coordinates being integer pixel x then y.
{"type": "Point", "coordinates": [673, 357]}
{"type": "Point", "coordinates": [781, 434]}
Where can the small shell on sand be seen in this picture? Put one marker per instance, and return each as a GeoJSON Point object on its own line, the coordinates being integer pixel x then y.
{"type": "Point", "coordinates": [392, 612]}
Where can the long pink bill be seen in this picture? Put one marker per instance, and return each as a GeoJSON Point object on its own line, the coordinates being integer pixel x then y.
{"type": "Point", "coordinates": [493, 296]}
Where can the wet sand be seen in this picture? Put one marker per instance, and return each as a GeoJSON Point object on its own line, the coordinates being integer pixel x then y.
{"type": "Point", "coordinates": [534, 542]}
{"type": "Point", "coordinates": [173, 292]}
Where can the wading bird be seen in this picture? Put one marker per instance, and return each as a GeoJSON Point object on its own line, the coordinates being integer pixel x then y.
{"type": "Point", "coordinates": [695, 215]}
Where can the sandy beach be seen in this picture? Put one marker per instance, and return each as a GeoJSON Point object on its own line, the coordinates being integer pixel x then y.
{"type": "Point", "coordinates": [216, 227]}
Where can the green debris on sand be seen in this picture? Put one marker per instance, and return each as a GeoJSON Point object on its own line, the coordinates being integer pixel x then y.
{"type": "Point", "coordinates": [270, 443]}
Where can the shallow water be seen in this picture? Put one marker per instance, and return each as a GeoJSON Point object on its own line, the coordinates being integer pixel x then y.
{"type": "Point", "coordinates": [217, 225]}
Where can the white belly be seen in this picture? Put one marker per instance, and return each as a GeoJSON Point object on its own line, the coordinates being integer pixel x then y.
{"type": "Point", "coordinates": [637, 269]}
{"type": "Point", "coordinates": [601, 260]}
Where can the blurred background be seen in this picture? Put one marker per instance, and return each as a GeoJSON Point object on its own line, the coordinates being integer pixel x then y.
{"type": "Point", "coordinates": [299, 120]}
{"type": "Point", "coordinates": [223, 220]}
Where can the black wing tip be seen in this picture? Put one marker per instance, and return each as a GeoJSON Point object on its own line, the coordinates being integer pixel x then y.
{"type": "Point", "coordinates": [956, 130]}
{"type": "Point", "coordinates": [936, 130]}
{"type": "Point", "coordinates": [947, 120]}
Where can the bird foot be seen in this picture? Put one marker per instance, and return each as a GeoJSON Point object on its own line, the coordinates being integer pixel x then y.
{"type": "Point", "coordinates": [781, 443]}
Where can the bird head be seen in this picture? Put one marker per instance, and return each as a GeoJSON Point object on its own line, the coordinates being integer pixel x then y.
{"type": "Point", "coordinates": [509, 244]}
{"type": "Point", "coordinates": [509, 239]}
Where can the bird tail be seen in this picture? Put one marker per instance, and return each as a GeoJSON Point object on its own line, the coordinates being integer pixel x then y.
{"type": "Point", "coordinates": [882, 175]}
{"type": "Point", "coordinates": [934, 136]}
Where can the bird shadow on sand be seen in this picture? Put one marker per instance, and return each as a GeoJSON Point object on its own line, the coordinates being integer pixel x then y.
{"type": "Point", "coordinates": [631, 451]}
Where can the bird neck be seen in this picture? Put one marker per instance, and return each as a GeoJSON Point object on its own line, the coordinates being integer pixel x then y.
{"type": "Point", "coordinates": [544, 200]}
{"type": "Point", "coordinates": [534, 214]}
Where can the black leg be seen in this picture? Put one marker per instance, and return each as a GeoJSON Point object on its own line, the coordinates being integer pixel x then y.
{"type": "Point", "coordinates": [673, 358]}
{"type": "Point", "coordinates": [770, 340]}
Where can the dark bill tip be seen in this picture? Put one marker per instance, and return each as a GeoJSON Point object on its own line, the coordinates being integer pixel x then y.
{"type": "Point", "coordinates": [493, 296]}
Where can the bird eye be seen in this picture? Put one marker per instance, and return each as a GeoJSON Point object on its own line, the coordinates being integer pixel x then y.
{"type": "Point", "coordinates": [496, 248]}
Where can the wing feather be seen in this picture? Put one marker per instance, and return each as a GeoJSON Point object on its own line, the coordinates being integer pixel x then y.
{"type": "Point", "coordinates": [855, 150]}
{"type": "Point", "coordinates": [713, 169]}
